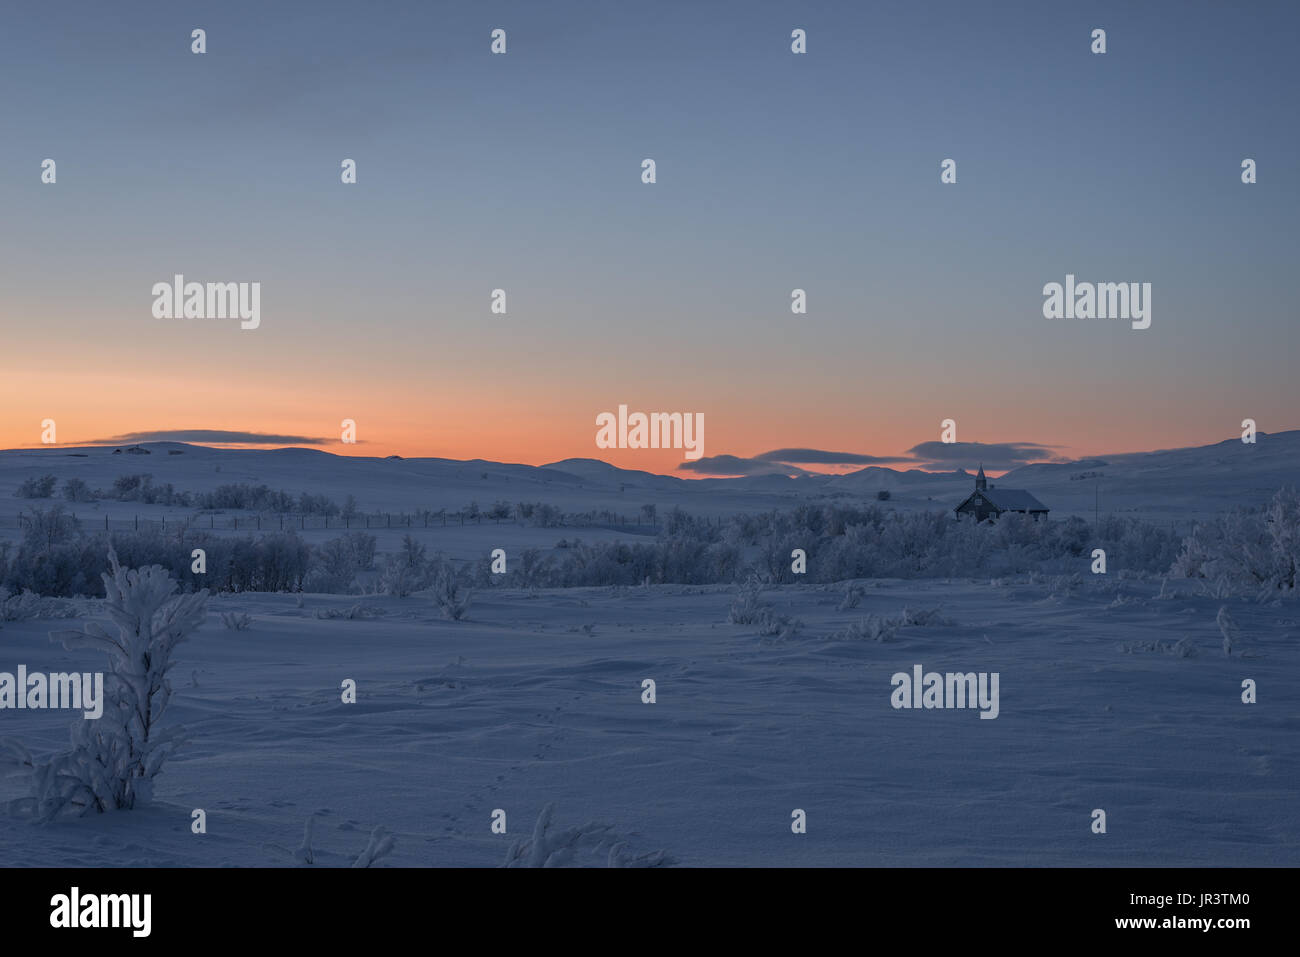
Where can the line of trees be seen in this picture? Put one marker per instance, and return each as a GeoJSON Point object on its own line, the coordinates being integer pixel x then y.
{"type": "Point", "coordinates": [1244, 552]}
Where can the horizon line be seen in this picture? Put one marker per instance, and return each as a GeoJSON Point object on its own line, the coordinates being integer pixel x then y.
{"type": "Point", "coordinates": [687, 476]}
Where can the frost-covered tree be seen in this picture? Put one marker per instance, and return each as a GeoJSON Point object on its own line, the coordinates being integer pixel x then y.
{"type": "Point", "coordinates": [1255, 553]}
{"type": "Point", "coordinates": [451, 597]}
{"type": "Point", "coordinates": [1282, 518]}
{"type": "Point", "coordinates": [115, 758]}
{"type": "Point", "coordinates": [406, 571]}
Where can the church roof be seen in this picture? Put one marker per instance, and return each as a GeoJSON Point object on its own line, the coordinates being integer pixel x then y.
{"type": "Point", "coordinates": [1016, 498]}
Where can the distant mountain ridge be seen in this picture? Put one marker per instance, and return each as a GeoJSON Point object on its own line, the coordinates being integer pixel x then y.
{"type": "Point", "coordinates": [1173, 483]}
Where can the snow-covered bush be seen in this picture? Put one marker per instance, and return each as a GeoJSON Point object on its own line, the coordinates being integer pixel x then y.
{"type": "Point", "coordinates": [42, 487]}
{"type": "Point", "coordinates": [748, 605]}
{"type": "Point", "coordinates": [380, 843]}
{"type": "Point", "coordinates": [1229, 629]}
{"type": "Point", "coordinates": [748, 608]}
{"type": "Point", "coordinates": [396, 578]}
{"type": "Point", "coordinates": [19, 607]}
{"type": "Point", "coordinates": [1182, 648]}
{"type": "Point", "coordinates": [551, 846]}
{"type": "Point", "coordinates": [852, 597]}
{"type": "Point", "coordinates": [56, 559]}
{"type": "Point", "coordinates": [236, 621]}
{"type": "Point", "coordinates": [774, 625]}
{"type": "Point", "coordinates": [30, 605]}
{"type": "Point", "coordinates": [870, 628]}
{"type": "Point", "coordinates": [76, 490]}
{"type": "Point", "coordinates": [336, 563]}
{"type": "Point", "coordinates": [351, 613]}
{"type": "Point", "coordinates": [305, 853]}
{"type": "Point", "coordinates": [924, 616]}
{"type": "Point", "coordinates": [114, 759]}
{"type": "Point", "coordinates": [449, 594]}
{"type": "Point", "coordinates": [406, 571]}
{"type": "Point", "coordinates": [53, 557]}
{"type": "Point", "coordinates": [881, 628]}
{"type": "Point", "coordinates": [1248, 553]}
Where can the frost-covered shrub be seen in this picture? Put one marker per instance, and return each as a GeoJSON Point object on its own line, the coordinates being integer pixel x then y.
{"type": "Point", "coordinates": [870, 628]}
{"type": "Point", "coordinates": [236, 621]}
{"type": "Point", "coordinates": [1251, 553]}
{"type": "Point", "coordinates": [305, 853]}
{"type": "Point", "coordinates": [56, 559]}
{"type": "Point", "coordinates": [551, 846]}
{"type": "Point", "coordinates": [449, 594]}
{"type": "Point", "coordinates": [282, 560]}
{"type": "Point", "coordinates": [380, 844]}
{"type": "Point", "coordinates": [406, 571]}
{"type": "Point", "coordinates": [114, 759]}
{"type": "Point", "coordinates": [881, 628]}
{"type": "Point", "coordinates": [774, 625]}
{"type": "Point", "coordinates": [748, 605]}
{"type": "Point", "coordinates": [852, 597]}
{"type": "Point", "coordinates": [748, 608]}
{"type": "Point", "coordinates": [1229, 629]}
{"type": "Point", "coordinates": [30, 605]}
{"type": "Point", "coordinates": [357, 611]}
{"type": "Point", "coordinates": [42, 487]}
{"type": "Point", "coordinates": [140, 488]}
{"type": "Point", "coordinates": [396, 578]}
{"type": "Point", "coordinates": [53, 558]}
{"type": "Point", "coordinates": [1065, 586]}
{"type": "Point", "coordinates": [337, 562]}
{"type": "Point", "coordinates": [259, 498]}
{"type": "Point", "coordinates": [1182, 648]}
{"type": "Point", "coordinates": [19, 607]}
{"type": "Point", "coordinates": [924, 616]}
{"type": "Point", "coordinates": [76, 490]}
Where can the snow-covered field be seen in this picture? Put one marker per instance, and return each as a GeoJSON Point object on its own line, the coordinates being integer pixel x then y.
{"type": "Point", "coordinates": [536, 699]}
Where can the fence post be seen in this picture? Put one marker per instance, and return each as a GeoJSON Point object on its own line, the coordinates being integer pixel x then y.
{"type": "Point", "coordinates": [105, 523]}
{"type": "Point", "coordinates": [137, 523]}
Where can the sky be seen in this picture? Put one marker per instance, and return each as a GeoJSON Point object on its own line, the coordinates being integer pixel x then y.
{"type": "Point", "coordinates": [775, 171]}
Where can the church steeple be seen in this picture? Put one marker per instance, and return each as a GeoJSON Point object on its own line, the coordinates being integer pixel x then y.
{"type": "Point", "coordinates": [981, 483]}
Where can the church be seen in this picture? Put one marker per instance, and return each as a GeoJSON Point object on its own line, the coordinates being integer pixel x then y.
{"type": "Point", "coordinates": [988, 502]}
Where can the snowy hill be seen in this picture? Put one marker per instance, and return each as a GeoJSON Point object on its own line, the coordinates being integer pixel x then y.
{"type": "Point", "coordinates": [1174, 484]}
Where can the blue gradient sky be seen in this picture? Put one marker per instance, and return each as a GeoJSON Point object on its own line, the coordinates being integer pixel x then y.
{"type": "Point", "coordinates": [774, 171]}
